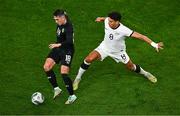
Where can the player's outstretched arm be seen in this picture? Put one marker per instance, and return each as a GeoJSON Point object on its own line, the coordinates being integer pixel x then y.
{"type": "Point", "coordinates": [100, 19]}
{"type": "Point", "coordinates": [54, 45]}
{"type": "Point", "coordinates": [157, 46]}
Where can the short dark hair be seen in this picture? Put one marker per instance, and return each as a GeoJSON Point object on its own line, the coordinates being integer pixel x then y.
{"type": "Point", "coordinates": [115, 16]}
{"type": "Point", "coordinates": [59, 12]}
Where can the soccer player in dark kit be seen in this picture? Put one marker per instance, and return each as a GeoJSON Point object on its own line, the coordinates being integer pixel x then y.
{"type": "Point", "coordinates": [61, 53]}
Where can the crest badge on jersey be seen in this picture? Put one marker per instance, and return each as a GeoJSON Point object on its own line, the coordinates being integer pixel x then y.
{"type": "Point", "coordinates": [62, 30]}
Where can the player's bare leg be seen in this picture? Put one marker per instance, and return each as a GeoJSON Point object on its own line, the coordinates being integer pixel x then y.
{"type": "Point", "coordinates": [133, 67]}
{"type": "Point", "coordinates": [48, 65]}
{"type": "Point", "coordinates": [68, 83]}
{"type": "Point", "coordinates": [94, 55]}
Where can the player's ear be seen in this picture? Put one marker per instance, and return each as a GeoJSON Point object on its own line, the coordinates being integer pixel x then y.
{"type": "Point", "coordinates": [64, 17]}
{"type": "Point", "coordinates": [117, 22]}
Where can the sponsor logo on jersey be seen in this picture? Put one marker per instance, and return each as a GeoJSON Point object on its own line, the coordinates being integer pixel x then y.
{"type": "Point", "coordinates": [58, 31]}
{"type": "Point", "coordinates": [117, 33]}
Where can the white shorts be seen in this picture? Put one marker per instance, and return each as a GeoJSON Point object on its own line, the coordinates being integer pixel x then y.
{"type": "Point", "coordinates": [117, 56]}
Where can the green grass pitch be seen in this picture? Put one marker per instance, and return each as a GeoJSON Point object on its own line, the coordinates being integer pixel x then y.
{"type": "Point", "coordinates": [27, 27]}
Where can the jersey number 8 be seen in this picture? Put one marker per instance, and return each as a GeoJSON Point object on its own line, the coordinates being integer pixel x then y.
{"type": "Point", "coordinates": [111, 36]}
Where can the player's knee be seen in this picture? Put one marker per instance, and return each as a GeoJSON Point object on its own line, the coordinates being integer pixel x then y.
{"type": "Point", "coordinates": [130, 66]}
{"type": "Point", "coordinates": [89, 59]}
{"type": "Point", "coordinates": [64, 69]}
{"type": "Point", "coordinates": [46, 68]}
{"type": "Point", "coordinates": [48, 65]}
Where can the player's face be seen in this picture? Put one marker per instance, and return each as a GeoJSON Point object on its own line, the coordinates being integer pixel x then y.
{"type": "Point", "coordinates": [112, 23]}
{"type": "Point", "coordinates": [60, 20]}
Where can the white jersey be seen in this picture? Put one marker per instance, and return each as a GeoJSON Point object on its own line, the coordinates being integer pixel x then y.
{"type": "Point", "coordinates": [114, 39]}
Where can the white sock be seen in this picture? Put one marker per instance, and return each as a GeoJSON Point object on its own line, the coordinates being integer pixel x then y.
{"type": "Point", "coordinates": [72, 95]}
{"type": "Point", "coordinates": [80, 73]}
{"type": "Point", "coordinates": [86, 63]}
{"type": "Point", "coordinates": [56, 88]}
{"type": "Point", "coordinates": [143, 72]}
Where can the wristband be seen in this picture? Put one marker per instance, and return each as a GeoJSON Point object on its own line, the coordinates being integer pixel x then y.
{"type": "Point", "coordinates": [153, 44]}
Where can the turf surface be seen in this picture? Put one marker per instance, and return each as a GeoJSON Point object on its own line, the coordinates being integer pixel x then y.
{"type": "Point", "coordinates": [27, 27]}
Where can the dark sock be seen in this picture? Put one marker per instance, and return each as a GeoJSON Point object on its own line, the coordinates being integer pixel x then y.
{"type": "Point", "coordinates": [52, 78]}
{"type": "Point", "coordinates": [85, 66]}
{"type": "Point", "coordinates": [138, 69]}
{"type": "Point", "coordinates": [68, 83]}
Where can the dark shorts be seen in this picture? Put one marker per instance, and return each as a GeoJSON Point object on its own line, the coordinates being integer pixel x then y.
{"type": "Point", "coordinates": [61, 56]}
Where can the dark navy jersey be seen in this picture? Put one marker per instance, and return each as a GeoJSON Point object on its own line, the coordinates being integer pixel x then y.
{"type": "Point", "coordinates": [65, 35]}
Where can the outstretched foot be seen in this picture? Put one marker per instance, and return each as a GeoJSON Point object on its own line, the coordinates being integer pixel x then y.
{"type": "Point", "coordinates": [76, 83]}
{"type": "Point", "coordinates": [57, 92]}
{"type": "Point", "coordinates": [151, 77]}
{"type": "Point", "coordinates": [71, 99]}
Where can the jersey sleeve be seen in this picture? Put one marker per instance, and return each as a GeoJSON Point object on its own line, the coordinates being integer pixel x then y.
{"type": "Point", "coordinates": [127, 32]}
{"type": "Point", "coordinates": [69, 36]}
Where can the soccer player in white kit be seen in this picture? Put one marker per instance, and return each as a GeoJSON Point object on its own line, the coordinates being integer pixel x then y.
{"type": "Point", "coordinates": [114, 46]}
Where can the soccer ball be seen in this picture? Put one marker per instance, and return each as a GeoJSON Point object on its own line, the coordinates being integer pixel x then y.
{"type": "Point", "coordinates": [37, 98]}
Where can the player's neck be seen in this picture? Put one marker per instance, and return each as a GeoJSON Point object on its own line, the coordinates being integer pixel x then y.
{"type": "Point", "coordinates": [116, 26]}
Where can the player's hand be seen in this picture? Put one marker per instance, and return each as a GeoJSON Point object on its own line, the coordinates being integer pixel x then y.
{"type": "Point", "coordinates": [51, 46]}
{"type": "Point", "coordinates": [160, 46]}
{"type": "Point", "coordinates": [157, 46]}
{"type": "Point", "coordinates": [99, 19]}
